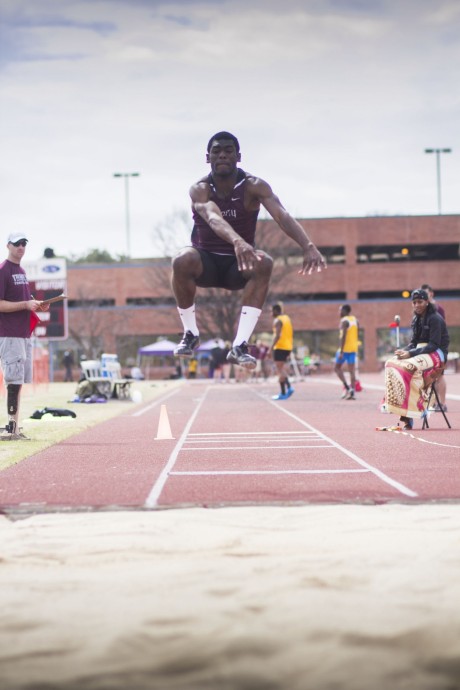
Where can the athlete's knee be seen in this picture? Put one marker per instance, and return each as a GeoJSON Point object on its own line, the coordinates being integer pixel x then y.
{"type": "Point", "coordinates": [12, 399]}
{"type": "Point", "coordinates": [186, 261]}
{"type": "Point", "coordinates": [265, 265]}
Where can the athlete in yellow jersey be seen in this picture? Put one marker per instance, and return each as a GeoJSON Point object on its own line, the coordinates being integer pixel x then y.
{"type": "Point", "coordinates": [281, 349]}
{"type": "Point", "coordinates": [347, 352]}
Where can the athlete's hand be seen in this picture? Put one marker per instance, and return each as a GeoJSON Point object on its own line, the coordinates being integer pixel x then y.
{"type": "Point", "coordinates": [246, 255]}
{"type": "Point", "coordinates": [312, 259]}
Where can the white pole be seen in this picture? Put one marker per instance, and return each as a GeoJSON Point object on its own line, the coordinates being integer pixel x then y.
{"type": "Point", "coordinates": [397, 321]}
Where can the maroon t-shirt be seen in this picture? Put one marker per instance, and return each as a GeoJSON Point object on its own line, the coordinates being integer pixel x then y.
{"type": "Point", "coordinates": [232, 209]}
{"type": "Point", "coordinates": [14, 287]}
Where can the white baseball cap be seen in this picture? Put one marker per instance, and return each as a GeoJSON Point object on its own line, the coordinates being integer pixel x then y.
{"type": "Point", "coordinates": [16, 236]}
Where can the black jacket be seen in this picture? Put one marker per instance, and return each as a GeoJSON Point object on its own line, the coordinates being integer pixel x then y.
{"type": "Point", "coordinates": [430, 329]}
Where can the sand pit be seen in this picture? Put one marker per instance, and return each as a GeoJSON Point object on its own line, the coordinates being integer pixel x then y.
{"type": "Point", "coordinates": [241, 598]}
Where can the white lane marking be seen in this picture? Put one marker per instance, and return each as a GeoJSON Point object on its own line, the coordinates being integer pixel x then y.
{"type": "Point", "coordinates": [152, 498]}
{"type": "Point", "coordinates": [378, 473]}
{"type": "Point", "coordinates": [157, 488]}
{"type": "Point", "coordinates": [252, 433]}
{"type": "Point", "coordinates": [422, 440]}
{"type": "Point", "coordinates": [270, 439]}
{"type": "Point", "coordinates": [267, 437]}
{"type": "Point", "coordinates": [225, 472]}
{"type": "Point", "coordinates": [310, 445]}
{"type": "Point", "coordinates": [156, 402]}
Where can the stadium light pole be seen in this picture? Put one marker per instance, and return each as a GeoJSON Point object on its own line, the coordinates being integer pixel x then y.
{"type": "Point", "coordinates": [126, 177]}
{"type": "Point", "coordinates": [438, 171]}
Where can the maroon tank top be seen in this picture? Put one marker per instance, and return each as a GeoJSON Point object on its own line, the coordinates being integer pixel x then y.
{"type": "Point", "coordinates": [232, 209]}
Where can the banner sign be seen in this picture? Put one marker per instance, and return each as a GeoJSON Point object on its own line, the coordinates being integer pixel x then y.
{"type": "Point", "coordinates": [48, 278]}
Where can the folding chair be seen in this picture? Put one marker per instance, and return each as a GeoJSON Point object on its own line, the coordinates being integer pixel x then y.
{"type": "Point", "coordinates": [94, 374]}
{"type": "Point", "coordinates": [430, 391]}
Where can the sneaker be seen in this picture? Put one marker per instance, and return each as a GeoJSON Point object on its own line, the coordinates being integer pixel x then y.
{"type": "Point", "coordinates": [187, 345]}
{"type": "Point", "coordinates": [281, 396]}
{"type": "Point", "coordinates": [344, 393]}
{"type": "Point", "coordinates": [350, 395]}
{"type": "Point", "coordinates": [239, 355]}
{"type": "Point", "coordinates": [289, 392]}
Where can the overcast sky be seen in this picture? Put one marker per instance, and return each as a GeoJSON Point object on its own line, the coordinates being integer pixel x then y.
{"type": "Point", "coordinates": [333, 101]}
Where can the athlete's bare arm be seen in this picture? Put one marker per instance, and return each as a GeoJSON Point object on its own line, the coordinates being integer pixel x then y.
{"type": "Point", "coordinates": [246, 255]}
{"type": "Point", "coordinates": [263, 193]}
{"type": "Point", "coordinates": [344, 327]}
{"type": "Point", "coordinates": [276, 336]}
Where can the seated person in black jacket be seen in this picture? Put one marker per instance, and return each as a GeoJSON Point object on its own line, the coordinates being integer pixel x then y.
{"type": "Point", "coordinates": [406, 373]}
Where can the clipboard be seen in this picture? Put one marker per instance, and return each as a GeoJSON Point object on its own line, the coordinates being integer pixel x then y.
{"type": "Point", "coordinates": [58, 298]}
{"type": "Point", "coordinates": [34, 319]}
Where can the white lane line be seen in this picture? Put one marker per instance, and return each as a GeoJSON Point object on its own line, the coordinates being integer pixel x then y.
{"type": "Point", "coordinates": [268, 443]}
{"type": "Point", "coordinates": [252, 433]}
{"type": "Point", "coordinates": [378, 473]}
{"type": "Point", "coordinates": [270, 439]}
{"type": "Point", "coordinates": [252, 439]}
{"type": "Point", "coordinates": [310, 445]}
{"type": "Point", "coordinates": [157, 488]}
{"type": "Point", "coordinates": [156, 402]}
{"type": "Point", "coordinates": [192, 473]}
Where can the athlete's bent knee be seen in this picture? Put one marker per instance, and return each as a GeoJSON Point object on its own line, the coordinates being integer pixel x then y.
{"type": "Point", "coordinates": [187, 261]}
{"type": "Point", "coordinates": [264, 267]}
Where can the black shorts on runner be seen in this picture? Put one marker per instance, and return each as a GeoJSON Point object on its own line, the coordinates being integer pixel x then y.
{"type": "Point", "coordinates": [281, 355]}
{"type": "Point", "coordinates": [220, 271]}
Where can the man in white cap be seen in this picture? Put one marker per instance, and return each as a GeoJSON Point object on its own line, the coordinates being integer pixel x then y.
{"type": "Point", "coordinates": [16, 326]}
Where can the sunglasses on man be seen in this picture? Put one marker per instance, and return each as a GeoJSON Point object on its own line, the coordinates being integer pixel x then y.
{"type": "Point", "coordinates": [19, 243]}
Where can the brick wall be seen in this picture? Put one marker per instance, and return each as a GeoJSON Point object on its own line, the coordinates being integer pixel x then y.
{"type": "Point", "coordinates": [150, 278]}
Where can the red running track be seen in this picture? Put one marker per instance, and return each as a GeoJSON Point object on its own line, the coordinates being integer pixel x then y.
{"type": "Point", "coordinates": [233, 445]}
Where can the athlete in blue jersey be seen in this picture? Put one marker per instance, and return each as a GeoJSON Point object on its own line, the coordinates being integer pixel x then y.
{"type": "Point", "coordinates": [225, 207]}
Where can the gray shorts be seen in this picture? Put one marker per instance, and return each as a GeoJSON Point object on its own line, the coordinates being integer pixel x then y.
{"type": "Point", "coordinates": [16, 360]}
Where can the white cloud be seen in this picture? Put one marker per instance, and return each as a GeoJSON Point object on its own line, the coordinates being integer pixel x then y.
{"type": "Point", "coordinates": [333, 103]}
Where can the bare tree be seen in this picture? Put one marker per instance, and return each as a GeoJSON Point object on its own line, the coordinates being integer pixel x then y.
{"type": "Point", "coordinates": [218, 311]}
{"type": "Point", "coordinates": [172, 233]}
{"type": "Point", "coordinates": [89, 324]}
{"type": "Point", "coordinates": [87, 333]}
